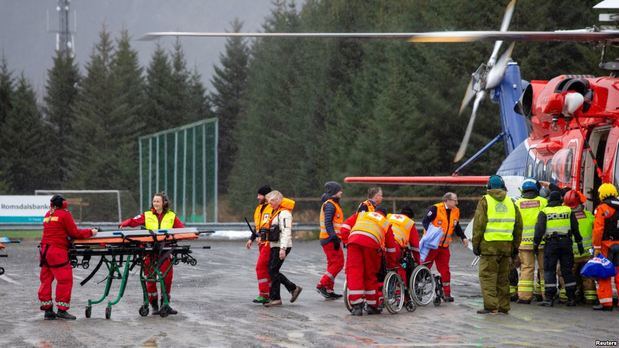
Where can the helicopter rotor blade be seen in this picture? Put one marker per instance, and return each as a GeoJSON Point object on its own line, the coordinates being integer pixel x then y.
{"type": "Point", "coordinates": [495, 75]}
{"type": "Point", "coordinates": [507, 17]}
{"type": "Point", "coordinates": [469, 128]}
{"type": "Point", "coordinates": [468, 95]}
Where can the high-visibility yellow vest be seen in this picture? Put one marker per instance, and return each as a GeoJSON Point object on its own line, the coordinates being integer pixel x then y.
{"type": "Point", "coordinates": [501, 220]}
{"type": "Point", "coordinates": [152, 223]}
{"type": "Point", "coordinates": [401, 226]}
{"type": "Point", "coordinates": [585, 227]}
{"type": "Point", "coordinates": [557, 219]}
{"type": "Point", "coordinates": [262, 216]}
{"type": "Point", "coordinates": [373, 225]}
{"type": "Point", "coordinates": [338, 219]}
{"type": "Point", "coordinates": [529, 210]}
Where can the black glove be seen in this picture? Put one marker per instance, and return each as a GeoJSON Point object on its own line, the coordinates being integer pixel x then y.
{"type": "Point", "coordinates": [336, 243]}
{"type": "Point", "coordinates": [581, 249]}
{"type": "Point", "coordinates": [535, 249]}
{"type": "Point", "coordinates": [476, 251]}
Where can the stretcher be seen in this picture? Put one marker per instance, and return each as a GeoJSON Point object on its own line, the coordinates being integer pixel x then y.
{"type": "Point", "coordinates": [3, 241]}
{"type": "Point", "coordinates": [123, 250]}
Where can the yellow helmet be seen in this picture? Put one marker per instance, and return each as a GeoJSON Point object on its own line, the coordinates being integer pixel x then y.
{"type": "Point", "coordinates": [607, 190]}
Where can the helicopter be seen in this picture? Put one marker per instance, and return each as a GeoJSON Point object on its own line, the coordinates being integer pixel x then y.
{"type": "Point", "coordinates": [564, 130]}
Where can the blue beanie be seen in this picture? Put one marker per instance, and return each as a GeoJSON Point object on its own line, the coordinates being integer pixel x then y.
{"type": "Point", "coordinates": [496, 182]}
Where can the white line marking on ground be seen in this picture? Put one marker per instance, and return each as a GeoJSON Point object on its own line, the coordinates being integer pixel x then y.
{"type": "Point", "coordinates": [8, 279]}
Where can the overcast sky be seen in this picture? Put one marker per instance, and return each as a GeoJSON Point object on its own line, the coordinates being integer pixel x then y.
{"type": "Point", "coordinates": [28, 44]}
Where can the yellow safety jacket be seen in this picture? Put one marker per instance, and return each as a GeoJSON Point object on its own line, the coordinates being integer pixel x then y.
{"type": "Point", "coordinates": [557, 220]}
{"type": "Point", "coordinates": [585, 227]}
{"type": "Point", "coordinates": [529, 210]}
{"type": "Point", "coordinates": [338, 219]}
{"type": "Point", "coordinates": [401, 226]}
{"type": "Point", "coordinates": [152, 223]}
{"type": "Point", "coordinates": [373, 225]}
{"type": "Point", "coordinates": [262, 216]}
{"type": "Point", "coordinates": [368, 203]}
{"type": "Point", "coordinates": [501, 220]}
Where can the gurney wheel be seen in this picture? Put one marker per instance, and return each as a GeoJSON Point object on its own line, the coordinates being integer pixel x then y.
{"type": "Point", "coordinates": [85, 264]}
{"type": "Point", "coordinates": [108, 312]}
{"type": "Point", "coordinates": [163, 312]}
{"type": "Point", "coordinates": [410, 305]}
{"type": "Point", "coordinates": [193, 262]}
{"type": "Point", "coordinates": [88, 311]}
{"type": "Point", "coordinates": [143, 310]}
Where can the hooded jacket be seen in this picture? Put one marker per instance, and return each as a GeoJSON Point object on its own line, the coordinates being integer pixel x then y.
{"type": "Point", "coordinates": [494, 248]}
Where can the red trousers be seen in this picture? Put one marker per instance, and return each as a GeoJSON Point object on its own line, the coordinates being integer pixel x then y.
{"type": "Point", "coordinates": [335, 264]}
{"type": "Point", "coordinates": [362, 264]}
{"type": "Point", "coordinates": [63, 275]}
{"type": "Point", "coordinates": [441, 256]}
{"type": "Point", "coordinates": [151, 286]}
{"type": "Point", "coordinates": [262, 269]}
{"type": "Point", "coordinates": [605, 288]}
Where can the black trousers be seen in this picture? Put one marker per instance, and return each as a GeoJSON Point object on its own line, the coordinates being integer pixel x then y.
{"type": "Point", "coordinates": [277, 277]}
{"type": "Point", "coordinates": [559, 250]}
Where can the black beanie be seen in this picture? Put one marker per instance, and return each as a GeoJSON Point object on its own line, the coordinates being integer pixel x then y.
{"type": "Point", "coordinates": [57, 200]}
{"type": "Point", "coordinates": [555, 196]}
{"type": "Point", "coordinates": [332, 188]}
{"type": "Point", "coordinates": [264, 190]}
{"type": "Point", "coordinates": [408, 211]}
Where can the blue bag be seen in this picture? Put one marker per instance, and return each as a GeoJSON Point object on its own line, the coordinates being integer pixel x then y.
{"type": "Point", "coordinates": [430, 240]}
{"type": "Point", "coordinates": [598, 267]}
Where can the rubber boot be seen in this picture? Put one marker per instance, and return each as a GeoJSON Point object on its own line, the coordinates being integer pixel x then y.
{"type": "Point", "coordinates": [65, 315]}
{"type": "Point", "coordinates": [171, 311]}
{"type": "Point", "coordinates": [357, 309]}
{"type": "Point", "coordinates": [49, 314]}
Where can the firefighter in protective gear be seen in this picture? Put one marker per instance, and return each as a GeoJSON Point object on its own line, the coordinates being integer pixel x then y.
{"type": "Point", "coordinates": [445, 215]}
{"type": "Point", "coordinates": [58, 227]}
{"type": "Point", "coordinates": [331, 219]}
{"type": "Point", "coordinates": [370, 235]}
{"type": "Point", "coordinates": [606, 241]}
{"type": "Point", "coordinates": [262, 216]}
{"type": "Point", "coordinates": [530, 204]}
{"type": "Point", "coordinates": [375, 198]}
{"type": "Point", "coordinates": [497, 231]}
{"type": "Point", "coordinates": [556, 224]}
{"type": "Point", "coordinates": [158, 217]}
{"type": "Point", "coordinates": [585, 286]}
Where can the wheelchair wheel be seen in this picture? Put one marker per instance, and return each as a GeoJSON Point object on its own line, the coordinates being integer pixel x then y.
{"type": "Point", "coordinates": [422, 286]}
{"type": "Point", "coordinates": [393, 292]}
{"type": "Point", "coordinates": [345, 295]}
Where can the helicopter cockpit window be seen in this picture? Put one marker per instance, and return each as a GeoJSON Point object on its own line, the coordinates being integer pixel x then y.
{"type": "Point", "coordinates": [539, 170]}
{"type": "Point", "coordinates": [562, 163]}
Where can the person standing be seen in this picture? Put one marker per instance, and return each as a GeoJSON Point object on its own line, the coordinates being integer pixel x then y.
{"type": "Point", "coordinates": [280, 236]}
{"type": "Point", "coordinates": [530, 204]}
{"type": "Point", "coordinates": [58, 227]}
{"type": "Point", "coordinates": [606, 241]}
{"type": "Point", "coordinates": [375, 198]}
{"type": "Point", "coordinates": [556, 224]}
{"type": "Point", "coordinates": [497, 232]}
{"type": "Point", "coordinates": [446, 216]}
{"type": "Point", "coordinates": [262, 215]}
{"type": "Point", "coordinates": [160, 216]}
{"type": "Point", "coordinates": [331, 219]}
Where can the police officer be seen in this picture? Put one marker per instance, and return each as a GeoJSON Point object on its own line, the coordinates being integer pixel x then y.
{"type": "Point", "coordinates": [530, 204]}
{"type": "Point", "coordinates": [556, 224]}
{"type": "Point", "coordinates": [497, 231]}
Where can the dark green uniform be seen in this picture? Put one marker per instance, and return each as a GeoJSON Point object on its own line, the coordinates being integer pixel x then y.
{"type": "Point", "coordinates": [497, 231]}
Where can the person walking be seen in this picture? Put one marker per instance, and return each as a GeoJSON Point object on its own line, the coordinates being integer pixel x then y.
{"type": "Point", "coordinates": [262, 216]}
{"type": "Point", "coordinates": [331, 219]}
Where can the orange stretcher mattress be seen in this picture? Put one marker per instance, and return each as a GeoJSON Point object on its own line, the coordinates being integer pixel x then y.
{"type": "Point", "coordinates": [132, 236]}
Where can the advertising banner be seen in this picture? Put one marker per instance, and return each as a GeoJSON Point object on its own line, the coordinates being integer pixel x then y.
{"type": "Point", "coordinates": [23, 209]}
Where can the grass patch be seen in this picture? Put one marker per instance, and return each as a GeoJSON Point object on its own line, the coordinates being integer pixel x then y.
{"type": "Point", "coordinates": [22, 234]}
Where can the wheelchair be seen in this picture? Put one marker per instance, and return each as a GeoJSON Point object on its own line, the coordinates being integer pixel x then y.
{"type": "Point", "coordinates": [394, 294]}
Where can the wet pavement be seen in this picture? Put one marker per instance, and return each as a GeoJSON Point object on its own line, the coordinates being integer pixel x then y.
{"type": "Point", "coordinates": [215, 309]}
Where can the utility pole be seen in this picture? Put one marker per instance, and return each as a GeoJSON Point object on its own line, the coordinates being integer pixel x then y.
{"type": "Point", "coordinates": [64, 37]}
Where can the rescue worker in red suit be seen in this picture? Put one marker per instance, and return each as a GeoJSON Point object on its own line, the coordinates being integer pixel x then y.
{"type": "Point", "coordinates": [58, 227]}
{"type": "Point", "coordinates": [606, 241]}
{"type": "Point", "coordinates": [407, 240]}
{"type": "Point", "coordinates": [369, 237]}
{"type": "Point", "coordinates": [375, 198]}
{"type": "Point", "coordinates": [262, 217]}
{"type": "Point", "coordinates": [331, 218]}
{"type": "Point", "coordinates": [445, 215]}
{"type": "Point", "coordinates": [158, 217]}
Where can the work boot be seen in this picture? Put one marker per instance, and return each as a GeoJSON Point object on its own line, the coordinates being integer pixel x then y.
{"type": "Point", "coordinates": [357, 310]}
{"type": "Point", "coordinates": [547, 303]}
{"type": "Point", "coordinates": [373, 310]}
{"type": "Point", "coordinates": [335, 296]}
{"type": "Point", "coordinates": [49, 314]}
{"type": "Point", "coordinates": [260, 299]}
{"type": "Point", "coordinates": [514, 298]}
{"type": "Point", "coordinates": [602, 308]}
{"type": "Point", "coordinates": [65, 315]}
{"type": "Point", "coordinates": [521, 301]}
{"type": "Point", "coordinates": [155, 306]}
{"type": "Point", "coordinates": [295, 293]}
{"type": "Point", "coordinates": [171, 311]}
{"type": "Point", "coordinates": [486, 311]}
{"type": "Point", "coordinates": [538, 298]}
{"type": "Point", "coordinates": [448, 298]}
{"type": "Point", "coordinates": [323, 291]}
{"type": "Point", "coordinates": [570, 302]}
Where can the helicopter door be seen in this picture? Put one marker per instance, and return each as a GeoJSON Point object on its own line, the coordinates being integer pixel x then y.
{"type": "Point", "coordinates": [591, 181]}
{"type": "Point", "coordinates": [611, 165]}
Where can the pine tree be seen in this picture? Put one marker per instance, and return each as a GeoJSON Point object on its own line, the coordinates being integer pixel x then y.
{"type": "Point", "coordinates": [159, 98]}
{"type": "Point", "coordinates": [61, 87]}
{"type": "Point", "coordinates": [230, 84]}
{"type": "Point", "coordinates": [6, 89]}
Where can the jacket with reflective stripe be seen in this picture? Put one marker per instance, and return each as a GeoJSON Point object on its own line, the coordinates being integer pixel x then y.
{"type": "Point", "coordinates": [369, 204]}
{"type": "Point", "coordinates": [401, 226]}
{"type": "Point", "coordinates": [585, 227]}
{"type": "Point", "coordinates": [152, 223]}
{"type": "Point", "coordinates": [338, 219]}
{"type": "Point", "coordinates": [262, 215]}
{"type": "Point", "coordinates": [557, 219]}
{"type": "Point", "coordinates": [529, 209]}
{"type": "Point", "coordinates": [501, 220]}
{"type": "Point", "coordinates": [447, 225]}
{"type": "Point", "coordinates": [373, 225]}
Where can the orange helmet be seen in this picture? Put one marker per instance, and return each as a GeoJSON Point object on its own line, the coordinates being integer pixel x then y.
{"type": "Point", "coordinates": [573, 198]}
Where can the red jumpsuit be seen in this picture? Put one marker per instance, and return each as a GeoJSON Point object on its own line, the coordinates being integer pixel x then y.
{"type": "Point", "coordinates": [58, 226]}
{"type": "Point", "coordinates": [262, 216]}
{"type": "Point", "coordinates": [604, 216]}
{"type": "Point", "coordinates": [151, 287]}
{"type": "Point", "coordinates": [364, 261]}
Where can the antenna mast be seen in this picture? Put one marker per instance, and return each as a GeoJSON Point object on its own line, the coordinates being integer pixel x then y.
{"type": "Point", "coordinates": [64, 37]}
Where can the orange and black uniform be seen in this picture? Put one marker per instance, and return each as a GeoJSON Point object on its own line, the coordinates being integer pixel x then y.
{"type": "Point", "coordinates": [367, 205]}
{"type": "Point", "coordinates": [606, 240]}
{"type": "Point", "coordinates": [331, 219]}
{"type": "Point", "coordinates": [58, 227]}
{"type": "Point", "coordinates": [449, 221]}
{"type": "Point", "coordinates": [151, 287]}
{"type": "Point", "coordinates": [262, 218]}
